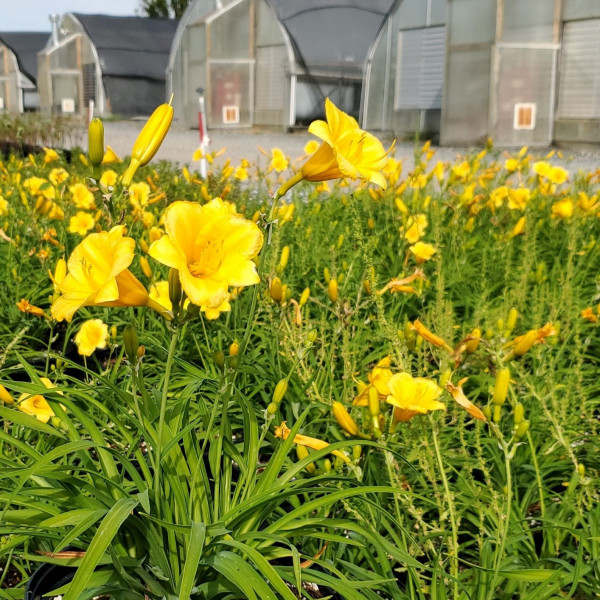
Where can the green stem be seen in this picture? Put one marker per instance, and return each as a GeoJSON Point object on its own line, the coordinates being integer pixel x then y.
{"type": "Point", "coordinates": [454, 552]}
{"type": "Point", "coordinates": [163, 412]}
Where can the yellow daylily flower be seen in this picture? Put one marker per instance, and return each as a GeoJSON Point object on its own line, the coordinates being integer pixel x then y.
{"type": "Point", "coordinates": [415, 228]}
{"type": "Point", "coordinates": [279, 161]}
{"type": "Point", "coordinates": [110, 157]}
{"type": "Point", "coordinates": [422, 251]}
{"type": "Point", "coordinates": [98, 275]}
{"type": "Point", "coordinates": [108, 179]}
{"type": "Point", "coordinates": [50, 155]}
{"type": "Point", "coordinates": [211, 246]}
{"type": "Point", "coordinates": [25, 306]}
{"type": "Point", "coordinates": [92, 334]}
{"type": "Point", "coordinates": [58, 176]}
{"type": "Point", "coordinates": [345, 151]}
{"type": "Point", "coordinates": [81, 223]}
{"type": "Point", "coordinates": [430, 337]}
{"type": "Point", "coordinates": [81, 196]}
{"type": "Point", "coordinates": [412, 396]}
{"type": "Point", "coordinates": [563, 209]}
{"type": "Point", "coordinates": [457, 393]}
{"type": "Point", "coordinates": [36, 406]}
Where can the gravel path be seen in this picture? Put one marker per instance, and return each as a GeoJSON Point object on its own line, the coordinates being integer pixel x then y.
{"type": "Point", "coordinates": [179, 146]}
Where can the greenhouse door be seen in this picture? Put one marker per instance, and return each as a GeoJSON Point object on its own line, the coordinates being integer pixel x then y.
{"type": "Point", "coordinates": [524, 80]}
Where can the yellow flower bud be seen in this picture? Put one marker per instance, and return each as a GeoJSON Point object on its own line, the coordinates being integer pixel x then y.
{"type": "Point", "coordinates": [487, 411]}
{"type": "Point", "coordinates": [473, 344]}
{"type": "Point", "coordinates": [497, 414]}
{"type": "Point", "coordinates": [280, 390]}
{"type": "Point", "coordinates": [519, 413]}
{"type": "Point", "coordinates": [340, 241]}
{"type": "Point", "coordinates": [371, 223]}
{"type": "Point", "coordinates": [345, 421]}
{"type": "Point", "coordinates": [272, 408]}
{"type": "Point", "coordinates": [5, 395]}
{"type": "Point", "coordinates": [501, 386]}
{"type": "Point", "coordinates": [327, 465]}
{"type": "Point", "coordinates": [525, 343]}
{"type": "Point", "coordinates": [234, 349]}
{"type": "Point", "coordinates": [144, 246]}
{"type": "Point", "coordinates": [304, 297]}
{"type": "Point", "coordinates": [326, 275]}
{"type": "Point", "coordinates": [312, 336]}
{"type": "Point", "coordinates": [96, 142]}
{"type": "Point", "coordinates": [276, 290]}
{"type": "Point", "coordinates": [500, 324]}
{"type": "Point", "coordinates": [283, 260]}
{"type": "Point", "coordinates": [356, 452]}
{"type": "Point", "coordinates": [301, 453]}
{"type": "Point", "coordinates": [332, 290]}
{"type": "Point", "coordinates": [149, 140]}
{"type": "Point", "coordinates": [522, 429]}
{"type": "Point", "coordinates": [367, 287]}
{"type": "Point", "coordinates": [145, 267]}
{"type": "Point", "coordinates": [581, 469]}
{"type": "Point", "coordinates": [513, 313]}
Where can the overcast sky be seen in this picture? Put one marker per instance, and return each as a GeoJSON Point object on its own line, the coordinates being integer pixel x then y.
{"type": "Point", "coordinates": [32, 15]}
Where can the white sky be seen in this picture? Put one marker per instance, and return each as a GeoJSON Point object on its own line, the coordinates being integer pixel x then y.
{"type": "Point", "coordinates": [32, 15]}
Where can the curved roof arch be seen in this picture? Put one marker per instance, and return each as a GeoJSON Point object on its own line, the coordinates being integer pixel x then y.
{"type": "Point", "coordinates": [25, 45]}
{"type": "Point", "coordinates": [332, 36]}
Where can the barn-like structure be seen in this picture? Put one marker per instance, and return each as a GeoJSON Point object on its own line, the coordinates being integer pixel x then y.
{"type": "Point", "coordinates": [118, 63]}
{"type": "Point", "coordinates": [272, 62]}
{"type": "Point", "coordinates": [18, 70]}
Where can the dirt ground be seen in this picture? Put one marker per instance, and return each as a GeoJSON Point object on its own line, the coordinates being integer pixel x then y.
{"type": "Point", "coordinates": [179, 146]}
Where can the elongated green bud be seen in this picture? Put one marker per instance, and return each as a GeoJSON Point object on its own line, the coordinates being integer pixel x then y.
{"type": "Point", "coordinates": [219, 358]}
{"type": "Point", "coordinates": [283, 260]}
{"type": "Point", "coordinates": [131, 343]}
{"type": "Point", "coordinates": [149, 140]}
{"type": "Point", "coordinates": [522, 428]}
{"type": "Point", "coordinates": [280, 390]}
{"type": "Point", "coordinates": [276, 290]}
{"type": "Point", "coordinates": [96, 142]}
{"type": "Point", "coordinates": [175, 291]}
{"type": "Point", "coordinates": [304, 297]}
{"type": "Point", "coordinates": [497, 414]}
{"type": "Point", "coordinates": [513, 314]}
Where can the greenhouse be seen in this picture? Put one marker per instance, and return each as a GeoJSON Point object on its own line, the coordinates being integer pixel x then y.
{"type": "Point", "coordinates": [116, 63]}
{"type": "Point", "coordinates": [405, 71]}
{"type": "Point", "coordinates": [18, 70]}
{"type": "Point", "coordinates": [527, 74]}
{"type": "Point", "coordinates": [271, 62]}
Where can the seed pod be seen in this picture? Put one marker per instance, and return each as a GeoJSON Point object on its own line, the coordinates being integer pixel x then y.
{"type": "Point", "coordinates": [332, 290]}
{"type": "Point", "coordinates": [145, 267]}
{"type": "Point", "coordinates": [501, 386]}
{"type": "Point", "coordinates": [131, 343]}
{"type": "Point", "coordinates": [276, 290]}
{"type": "Point", "coordinates": [522, 429]}
{"type": "Point", "coordinates": [345, 421]}
{"type": "Point", "coordinates": [304, 297]}
{"type": "Point", "coordinates": [175, 291]}
{"type": "Point", "coordinates": [525, 343]}
{"type": "Point", "coordinates": [312, 336]}
{"type": "Point", "coordinates": [96, 142]}
{"type": "Point", "coordinates": [219, 358]}
{"type": "Point", "coordinates": [518, 413]}
{"type": "Point", "coordinates": [511, 321]}
{"type": "Point", "coordinates": [149, 140]}
{"type": "Point", "coordinates": [472, 345]}
{"type": "Point", "coordinates": [280, 390]}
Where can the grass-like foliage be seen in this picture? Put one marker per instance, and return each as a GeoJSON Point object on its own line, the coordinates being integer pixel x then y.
{"type": "Point", "coordinates": [406, 405]}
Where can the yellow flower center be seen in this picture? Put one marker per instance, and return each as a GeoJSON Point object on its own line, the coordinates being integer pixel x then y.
{"type": "Point", "coordinates": [208, 256]}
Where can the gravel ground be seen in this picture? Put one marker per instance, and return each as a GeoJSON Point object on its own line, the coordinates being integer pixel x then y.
{"type": "Point", "coordinates": [179, 146]}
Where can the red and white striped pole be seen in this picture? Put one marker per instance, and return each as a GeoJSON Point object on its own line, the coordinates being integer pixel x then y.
{"type": "Point", "coordinates": [202, 131]}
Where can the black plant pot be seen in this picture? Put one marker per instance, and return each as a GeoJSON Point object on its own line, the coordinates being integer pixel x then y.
{"type": "Point", "coordinates": [47, 578]}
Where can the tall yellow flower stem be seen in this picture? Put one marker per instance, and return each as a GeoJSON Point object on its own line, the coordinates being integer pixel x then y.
{"type": "Point", "coordinates": [163, 412]}
{"type": "Point", "coordinates": [453, 526]}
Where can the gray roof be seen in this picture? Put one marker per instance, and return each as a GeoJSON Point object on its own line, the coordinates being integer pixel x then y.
{"type": "Point", "coordinates": [332, 35]}
{"type": "Point", "coordinates": [25, 45]}
{"type": "Point", "coordinates": [130, 46]}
